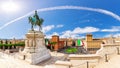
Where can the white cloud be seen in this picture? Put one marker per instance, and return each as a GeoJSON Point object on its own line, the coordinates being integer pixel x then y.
{"type": "Point", "coordinates": [110, 30]}
{"type": "Point", "coordinates": [113, 35]}
{"type": "Point", "coordinates": [55, 33]}
{"type": "Point", "coordinates": [116, 35]}
{"type": "Point", "coordinates": [106, 12]}
{"type": "Point", "coordinates": [79, 30]}
{"type": "Point", "coordinates": [50, 35]}
{"type": "Point", "coordinates": [59, 26]}
{"type": "Point", "coordinates": [113, 29]}
{"type": "Point", "coordinates": [75, 36]}
{"type": "Point", "coordinates": [108, 35]}
{"type": "Point", "coordinates": [66, 34]}
{"type": "Point", "coordinates": [75, 33]}
{"type": "Point", "coordinates": [47, 28]}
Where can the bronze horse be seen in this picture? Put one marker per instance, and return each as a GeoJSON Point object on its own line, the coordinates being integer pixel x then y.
{"type": "Point", "coordinates": [35, 21]}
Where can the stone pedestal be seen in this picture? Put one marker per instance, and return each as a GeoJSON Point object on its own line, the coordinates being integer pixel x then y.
{"type": "Point", "coordinates": [35, 50]}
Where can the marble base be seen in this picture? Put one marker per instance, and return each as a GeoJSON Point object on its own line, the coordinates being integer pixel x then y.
{"type": "Point", "coordinates": [35, 58]}
{"type": "Point", "coordinates": [35, 50]}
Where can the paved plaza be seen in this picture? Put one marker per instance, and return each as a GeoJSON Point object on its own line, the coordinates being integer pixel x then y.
{"type": "Point", "coordinates": [11, 61]}
{"type": "Point", "coordinates": [114, 62]}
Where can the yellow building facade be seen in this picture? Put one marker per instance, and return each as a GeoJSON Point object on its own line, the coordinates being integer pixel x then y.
{"type": "Point", "coordinates": [92, 45]}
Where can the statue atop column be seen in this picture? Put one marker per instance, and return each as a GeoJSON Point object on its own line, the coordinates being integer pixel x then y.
{"type": "Point", "coordinates": [35, 21]}
{"type": "Point", "coordinates": [35, 50]}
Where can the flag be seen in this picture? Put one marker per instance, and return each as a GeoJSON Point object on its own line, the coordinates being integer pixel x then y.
{"type": "Point", "coordinates": [83, 43]}
{"type": "Point", "coordinates": [80, 42]}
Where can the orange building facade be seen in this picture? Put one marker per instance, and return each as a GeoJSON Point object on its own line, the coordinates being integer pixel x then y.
{"type": "Point", "coordinates": [55, 38]}
{"type": "Point", "coordinates": [59, 44]}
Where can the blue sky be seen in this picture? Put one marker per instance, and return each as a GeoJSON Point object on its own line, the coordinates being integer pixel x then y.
{"type": "Point", "coordinates": [98, 17]}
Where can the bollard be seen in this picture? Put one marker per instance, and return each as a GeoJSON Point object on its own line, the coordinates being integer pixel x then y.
{"type": "Point", "coordinates": [106, 58]}
{"type": "Point", "coordinates": [118, 51]}
{"type": "Point", "coordinates": [69, 67]}
{"type": "Point", "coordinates": [87, 64]}
{"type": "Point", "coordinates": [24, 57]}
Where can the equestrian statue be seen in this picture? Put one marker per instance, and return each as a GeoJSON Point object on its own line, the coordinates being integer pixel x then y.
{"type": "Point", "coordinates": [35, 21]}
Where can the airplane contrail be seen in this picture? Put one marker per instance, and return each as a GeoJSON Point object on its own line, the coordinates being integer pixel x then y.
{"type": "Point", "coordinates": [103, 11]}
